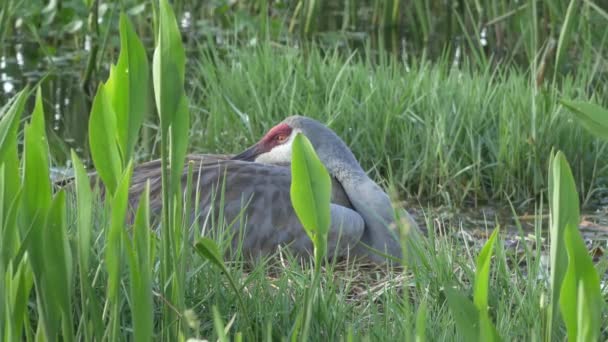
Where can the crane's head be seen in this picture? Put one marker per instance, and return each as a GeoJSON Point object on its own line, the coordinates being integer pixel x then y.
{"type": "Point", "coordinates": [273, 148]}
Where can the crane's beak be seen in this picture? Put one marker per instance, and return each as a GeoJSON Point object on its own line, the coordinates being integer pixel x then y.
{"type": "Point", "coordinates": [249, 154]}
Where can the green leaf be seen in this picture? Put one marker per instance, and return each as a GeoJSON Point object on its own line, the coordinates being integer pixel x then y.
{"type": "Point", "coordinates": [310, 188]}
{"type": "Point", "coordinates": [580, 297]}
{"type": "Point", "coordinates": [481, 290]}
{"type": "Point", "coordinates": [168, 66]}
{"type": "Point", "coordinates": [10, 184]}
{"type": "Point", "coordinates": [58, 263]}
{"type": "Point", "coordinates": [128, 88]}
{"type": "Point", "coordinates": [179, 145]}
{"type": "Point", "coordinates": [114, 246]}
{"type": "Point", "coordinates": [9, 122]}
{"type": "Point", "coordinates": [465, 314]}
{"type": "Point", "coordinates": [37, 183]}
{"type": "Point", "coordinates": [17, 288]}
{"type": "Point", "coordinates": [140, 259]}
{"type": "Point", "coordinates": [482, 274]}
{"type": "Point", "coordinates": [564, 210]}
{"type": "Point", "coordinates": [591, 116]}
{"type": "Point", "coordinates": [36, 201]}
{"type": "Point", "coordinates": [84, 206]}
{"type": "Point", "coordinates": [208, 249]}
{"type": "Point", "coordinates": [102, 140]}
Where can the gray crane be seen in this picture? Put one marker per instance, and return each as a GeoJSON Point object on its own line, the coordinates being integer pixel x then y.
{"type": "Point", "coordinates": [250, 191]}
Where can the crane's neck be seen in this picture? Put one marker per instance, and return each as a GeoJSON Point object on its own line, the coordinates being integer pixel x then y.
{"type": "Point", "coordinates": [371, 202]}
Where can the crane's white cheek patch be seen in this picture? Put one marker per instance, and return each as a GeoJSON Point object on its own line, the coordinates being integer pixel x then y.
{"type": "Point", "coordinates": [280, 154]}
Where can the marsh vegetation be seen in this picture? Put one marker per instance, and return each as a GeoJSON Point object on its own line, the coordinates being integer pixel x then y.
{"type": "Point", "coordinates": [458, 105]}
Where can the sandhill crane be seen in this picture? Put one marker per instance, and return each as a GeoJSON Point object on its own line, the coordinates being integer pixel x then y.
{"type": "Point", "coordinates": [256, 185]}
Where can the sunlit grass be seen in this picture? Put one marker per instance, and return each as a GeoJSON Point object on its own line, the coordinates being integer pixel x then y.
{"type": "Point", "coordinates": [433, 132]}
{"type": "Point", "coordinates": [75, 269]}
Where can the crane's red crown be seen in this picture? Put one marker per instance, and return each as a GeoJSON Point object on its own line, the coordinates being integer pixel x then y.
{"type": "Point", "coordinates": [276, 136]}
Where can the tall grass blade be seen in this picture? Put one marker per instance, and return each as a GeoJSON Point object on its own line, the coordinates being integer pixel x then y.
{"type": "Point", "coordinates": [421, 317]}
{"type": "Point", "coordinates": [565, 33]}
{"type": "Point", "coordinates": [219, 325]}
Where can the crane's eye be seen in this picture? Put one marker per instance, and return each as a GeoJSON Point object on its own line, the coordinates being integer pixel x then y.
{"type": "Point", "coordinates": [281, 138]}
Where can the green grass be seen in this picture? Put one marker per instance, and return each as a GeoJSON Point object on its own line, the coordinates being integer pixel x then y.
{"type": "Point", "coordinates": [70, 266]}
{"type": "Point", "coordinates": [429, 131]}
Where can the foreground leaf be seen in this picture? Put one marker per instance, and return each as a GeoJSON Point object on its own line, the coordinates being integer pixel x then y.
{"type": "Point", "coordinates": [580, 296]}
{"type": "Point", "coordinates": [140, 264]}
{"type": "Point", "coordinates": [128, 88]}
{"type": "Point", "coordinates": [102, 140]}
{"type": "Point", "coordinates": [310, 191]}
{"type": "Point", "coordinates": [480, 294]}
{"type": "Point", "coordinates": [591, 116]}
{"type": "Point", "coordinates": [564, 211]}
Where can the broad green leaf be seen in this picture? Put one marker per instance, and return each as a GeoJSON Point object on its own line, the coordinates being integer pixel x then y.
{"type": "Point", "coordinates": [168, 66]}
{"type": "Point", "coordinates": [171, 102]}
{"type": "Point", "coordinates": [36, 178]}
{"type": "Point", "coordinates": [580, 297]}
{"type": "Point", "coordinates": [102, 140]}
{"type": "Point", "coordinates": [310, 187]}
{"type": "Point", "coordinates": [142, 309]}
{"type": "Point", "coordinates": [36, 201]}
{"type": "Point", "coordinates": [564, 211]}
{"type": "Point", "coordinates": [591, 116]}
{"type": "Point", "coordinates": [128, 88]}
{"type": "Point", "coordinates": [58, 263]}
{"type": "Point", "coordinates": [465, 314]}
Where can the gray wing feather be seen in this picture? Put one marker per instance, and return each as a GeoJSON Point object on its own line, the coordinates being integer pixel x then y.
{"type": "Point", "coordinates": [255, 206]}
